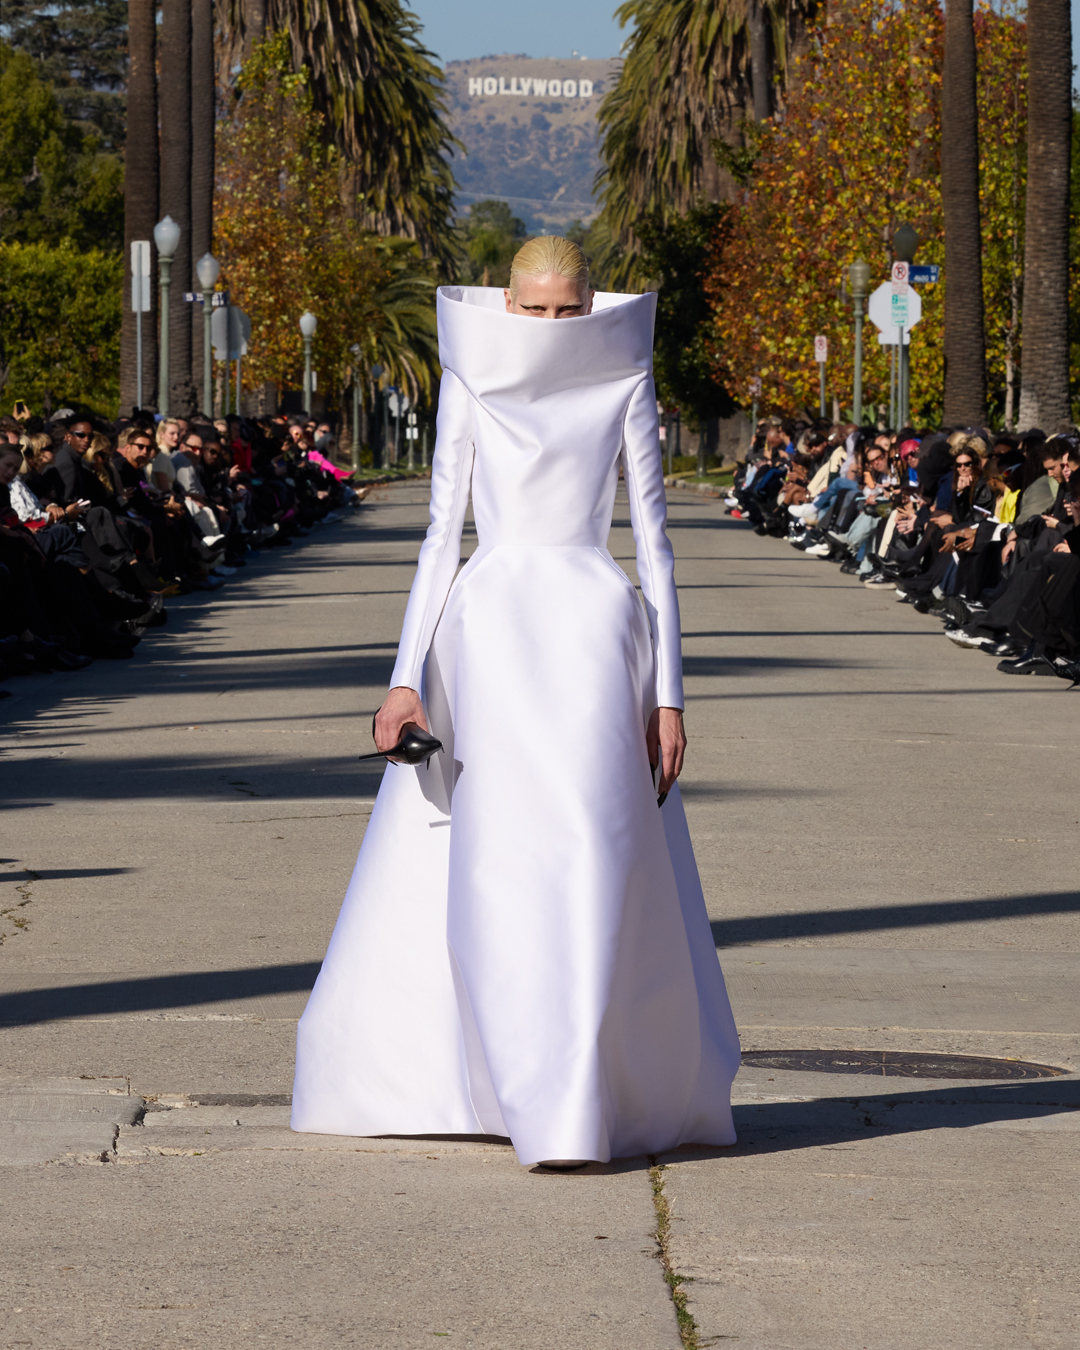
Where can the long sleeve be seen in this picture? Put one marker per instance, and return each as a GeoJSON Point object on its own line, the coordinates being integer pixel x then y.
{"type": "Point", "coordinates": [644, 471]}
{"type": "Point", "coordinates": [440, 553]}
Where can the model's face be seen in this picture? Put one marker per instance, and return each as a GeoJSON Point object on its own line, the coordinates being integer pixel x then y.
{"type": "Point", "coordinates": [550, 297]}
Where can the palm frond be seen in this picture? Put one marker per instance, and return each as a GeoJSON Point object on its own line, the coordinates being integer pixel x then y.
{"type": "Point", "coordinates": [381, 94]}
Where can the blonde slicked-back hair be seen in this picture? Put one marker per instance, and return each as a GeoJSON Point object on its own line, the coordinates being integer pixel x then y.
{"type": "Point", "coordinates": [547, 254]}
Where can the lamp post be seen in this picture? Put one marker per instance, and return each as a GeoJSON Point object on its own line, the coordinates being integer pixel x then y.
{"type": "Point", "coordinates": [859, 276]}
{"type": "Point", "coordinates": [167, 239]}
{"type": "Point", "coordinates": [207, 270]}
{"type": "Point", "coordinates": [905, 245]}
{"type": "Point", "coordinates": [355, 349]}
{"type": "Point", "coordinates": [308, 324]}
{"type": "Point", "coordinates": [378, 435]}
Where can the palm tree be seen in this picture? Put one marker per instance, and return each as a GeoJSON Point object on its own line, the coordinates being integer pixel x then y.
{"type": "Point", "coordinates": [1044, 369]}
{"type": "Point", "coordinates": [140, 189]}
{"type": "Point", "coordinates": [677, 126]}
{"type": "Point", "coordinates": [381, 94]}
{"type": "Point", "coordinates": [175, 95]}
{"type": "Point", "coordinates": [965, 345]}
{"type": "Point", "coordinates": [203, 121]}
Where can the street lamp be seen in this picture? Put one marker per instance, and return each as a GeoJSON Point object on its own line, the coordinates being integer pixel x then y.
{"type": "Point", "coordinates": [207, 270]}
{"type": "Point", "coordinates": [379, 409]}
{"type": "Point", "coordinates": [905, 243]}
{"type": "Point", "coordinates": [308, 324]}
{"type": "Point", "coordinates": [355, 349]}
{"type": "Point", "coordinates": [167, 239]}
{"type": "Point", "coordinates": [859, 276]}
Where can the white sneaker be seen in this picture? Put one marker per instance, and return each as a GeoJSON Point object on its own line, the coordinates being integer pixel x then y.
{"type": "Point", "coordinates": [731, 501]}
{"type": "Point", "coordinates": [818, 550]}
{"type": "Point", "coordinates": [963, 639]}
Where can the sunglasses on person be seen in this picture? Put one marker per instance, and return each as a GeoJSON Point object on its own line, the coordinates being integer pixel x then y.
{"type": "Point", "coordinates": [964, 463]}
{"type": "Point", "coordinates": [80, 435]}
{"type": "Point", "coordinates": [876, 459]}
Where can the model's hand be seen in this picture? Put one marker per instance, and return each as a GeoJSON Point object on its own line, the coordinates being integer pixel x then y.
{"type": "Point", "coordinates": [400, 706]}
{"type": "Point", "coordinates": [666, 741]}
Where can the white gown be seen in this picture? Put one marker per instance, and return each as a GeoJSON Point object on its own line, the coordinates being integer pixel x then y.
{"type": "Point", "coordinates": [524, 948]}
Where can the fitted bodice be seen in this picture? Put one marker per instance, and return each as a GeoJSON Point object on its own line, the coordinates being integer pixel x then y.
{"type": "Point", "coordinates": [549, 402]}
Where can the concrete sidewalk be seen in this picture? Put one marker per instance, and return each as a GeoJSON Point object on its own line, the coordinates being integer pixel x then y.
{"type": "Point", "coordinates": [884, 830]}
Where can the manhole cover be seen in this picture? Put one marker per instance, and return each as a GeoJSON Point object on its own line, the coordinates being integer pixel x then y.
{"type": "Point", "coordinates": [897, 1064]}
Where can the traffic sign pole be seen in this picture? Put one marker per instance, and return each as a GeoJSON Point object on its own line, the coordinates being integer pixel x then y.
{"type": "Point", "coordinates": [903, 381]}
{"type": "Point", "coordinates": [821, 355]}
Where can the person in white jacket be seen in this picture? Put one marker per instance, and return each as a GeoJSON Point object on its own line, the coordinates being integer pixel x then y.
{"type": "Point", "coordinates": [524, 949]}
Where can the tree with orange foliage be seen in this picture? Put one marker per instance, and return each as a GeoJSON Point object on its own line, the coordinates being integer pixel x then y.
{"type": "Point", "coordinates": [287, 244]}
{"type": "Point", "coordinates": [855, 155]}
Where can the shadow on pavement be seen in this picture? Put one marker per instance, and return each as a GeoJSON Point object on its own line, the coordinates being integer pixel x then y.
{"type": "Point", "coordinates": [31, 1006]}
{"type": "Point", "coordinates": [755, 928]}
{"type": "Point", "coordinates": [779, 1127]}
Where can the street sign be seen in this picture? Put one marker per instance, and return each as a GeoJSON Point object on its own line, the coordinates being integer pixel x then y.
{"type": "Point", "coordinates": [891, 337]}
{"type": "Point", "coordinates": [900, 276]}
{"type": "Point", "coordinates": [880, 308]}
{"type": "Point", "coordinates": [140, 276]}
{"type": "Point", "coordinates": [755, 387]}
{"type": "Point", "coordinates": [399, 403]}
{"type": "Point", "coordinates": [239, 332]}
{"type": "Point", "coordinates": [899, 309]}
{"type": "Point", "coordinates": [821, 349]}
{"type": "Point", "coordinates": [924, 274]}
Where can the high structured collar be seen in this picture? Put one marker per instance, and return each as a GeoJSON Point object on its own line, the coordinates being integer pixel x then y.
{"type": "Point", "coordinates": [495, 353]}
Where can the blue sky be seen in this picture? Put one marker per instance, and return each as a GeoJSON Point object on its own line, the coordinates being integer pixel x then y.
{"type": "Point", "coordinates": [458, 29]}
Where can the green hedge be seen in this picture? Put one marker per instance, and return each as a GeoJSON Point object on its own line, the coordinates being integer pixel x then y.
{"type": "Point", "coordinates": [60, 331]}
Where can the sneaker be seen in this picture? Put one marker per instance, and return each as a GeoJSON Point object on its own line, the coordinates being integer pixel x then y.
{"type": "Point", "coordinates": [963, 639]}
{"type": "Point", "coordinates": [731, 501]}
{"type": "Point", "coordinates": [222, 571]}
{"type": "Point", "coordinates": [737, 515]}
{"type": "Point", "coordinates": [878, 581]}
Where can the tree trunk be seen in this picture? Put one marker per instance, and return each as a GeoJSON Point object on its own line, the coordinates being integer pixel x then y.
{"type": "Point", "coordinates": [965, 344]}
{"type": "Point", "coordinates": [760, 73]}
{"type": "Point", "coordinates": [141, 167]}
{"type": "Point", "coordinates": [176, 191]}
{"type": "Point", "coordinates": [1044, 336]}
{"type": "Point", "coordinates": [203, 104]}
{"type": "Point", "coordinates": [254, 24]}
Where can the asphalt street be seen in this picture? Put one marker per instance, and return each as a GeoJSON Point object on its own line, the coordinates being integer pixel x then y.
{"type": "Point", "coordinates": [886, 830]}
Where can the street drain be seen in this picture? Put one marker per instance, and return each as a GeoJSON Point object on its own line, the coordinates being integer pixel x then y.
{"type": "Point", "coordinates": [897, 1064]}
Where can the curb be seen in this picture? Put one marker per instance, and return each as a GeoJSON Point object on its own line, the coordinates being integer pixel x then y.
{"type": "Point", "coordinates": [702, 489]}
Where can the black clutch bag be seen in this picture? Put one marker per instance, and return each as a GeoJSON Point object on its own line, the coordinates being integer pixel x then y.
{"type": "Point", "coordinates": [416, 745]}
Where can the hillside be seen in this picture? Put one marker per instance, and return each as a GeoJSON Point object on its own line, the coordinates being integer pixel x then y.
{"type": "Point", "coordinates": [535, 150]}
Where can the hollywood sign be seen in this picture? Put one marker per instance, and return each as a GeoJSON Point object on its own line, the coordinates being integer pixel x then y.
{"type": "Point", "coordinates": [520, 86]}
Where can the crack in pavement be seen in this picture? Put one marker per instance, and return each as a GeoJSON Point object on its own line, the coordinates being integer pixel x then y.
{"type": "Point", "coordinates": [11, 912]}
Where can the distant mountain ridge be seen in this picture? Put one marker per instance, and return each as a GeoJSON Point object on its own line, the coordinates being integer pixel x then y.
{"type": "Point", "coordinates": [529, 129]}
